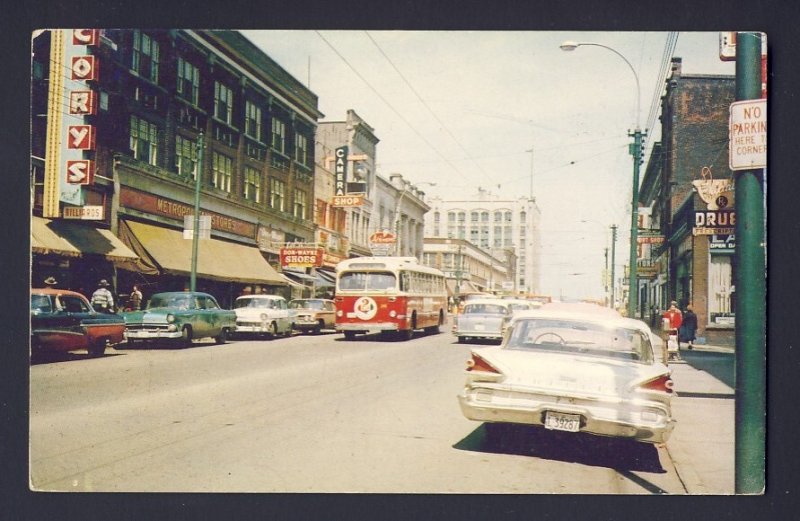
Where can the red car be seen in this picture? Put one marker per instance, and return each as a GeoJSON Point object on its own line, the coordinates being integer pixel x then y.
{"type": "Point", "coordinates": [63, 320]}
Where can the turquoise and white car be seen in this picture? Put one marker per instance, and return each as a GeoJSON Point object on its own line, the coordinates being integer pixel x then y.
{"type": "Point", "coordinates": [179, 316]}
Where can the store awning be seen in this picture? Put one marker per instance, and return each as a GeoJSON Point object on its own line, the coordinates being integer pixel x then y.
{"type": "Point", "coordinates": [298, 275]}
{"type": "Point", "coordinates": [73, 239]}
{"type": "Point", "coordinates": [466, 288]}
{"type": "Point", "coordinates": [216, 259]}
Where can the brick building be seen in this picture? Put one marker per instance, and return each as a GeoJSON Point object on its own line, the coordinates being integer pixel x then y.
{"type": "Point", "coordinates": [157, 92]}
{"type": "Point", "coordinates": [695, 263]}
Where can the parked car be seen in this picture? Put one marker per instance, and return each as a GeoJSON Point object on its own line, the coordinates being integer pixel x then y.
{"type": "Point", "coordinates": [314, 314]}
{"type": "Point", "coordinates": [64, 321]}
{"type": "Point", "coordinates": [181, 316]}
{"type": "Point", "coordinates": [482, 318]}
{"type": "Point", "coordinates": [571, 371]}
{"type": "Point", "coordinates": [263, 315]}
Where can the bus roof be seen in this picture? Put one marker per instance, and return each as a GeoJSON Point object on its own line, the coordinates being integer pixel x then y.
{"type": "Point", "coordinates": [386, 263]}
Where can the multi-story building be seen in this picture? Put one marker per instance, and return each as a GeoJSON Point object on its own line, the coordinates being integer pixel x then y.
{"type": "Point", "coordinates": [158, 94]}
{"type": "Point", "coordinates": [694, 263]}
{"type": "Point", "coordinates": [492, 223]}
{"type": "Point", "coordinates": [469, 268]}
{"type": "Point", "coordinates": [394, 205]}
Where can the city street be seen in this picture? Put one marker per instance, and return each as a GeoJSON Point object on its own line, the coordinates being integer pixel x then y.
{"type": "Point", "coordinates": [321, 414]}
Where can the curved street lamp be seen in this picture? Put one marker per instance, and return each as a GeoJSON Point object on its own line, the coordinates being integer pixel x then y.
{"type": "Point", "coordinates": [636, 151]}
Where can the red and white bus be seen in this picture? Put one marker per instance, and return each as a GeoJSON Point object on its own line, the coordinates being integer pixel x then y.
{"type": "Point", "coordinates": [388, 294]}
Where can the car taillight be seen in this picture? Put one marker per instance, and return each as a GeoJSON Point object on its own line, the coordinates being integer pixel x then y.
{"type": "Point", "coordinates": [477, 363]}
{"type": "Point", "coordinates": [661, 383]}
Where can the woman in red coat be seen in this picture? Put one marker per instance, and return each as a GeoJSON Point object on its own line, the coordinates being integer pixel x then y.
{"type": "Point", "coordinates": [675, 317]}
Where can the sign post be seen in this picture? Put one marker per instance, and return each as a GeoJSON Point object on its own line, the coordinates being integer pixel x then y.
{"type": "Point", "coordinates": [748, 127]}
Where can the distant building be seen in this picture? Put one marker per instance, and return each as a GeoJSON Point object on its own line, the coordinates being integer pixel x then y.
{"type": "Point", "coordinates": [394, 205]}
{"type": "Point", "coordinates": [493, 224]}
{"type": "Point", "coordinates": [471, 269]}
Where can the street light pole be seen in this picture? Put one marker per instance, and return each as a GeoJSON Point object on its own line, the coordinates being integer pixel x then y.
{"type": "Point", "coordinates": [636, 151]}
{"type": "Point", "coordinates": [613, 261]}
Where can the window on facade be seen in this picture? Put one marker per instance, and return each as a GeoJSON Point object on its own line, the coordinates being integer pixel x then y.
{"type": "Point", "coordinates": [508, 217]}
{"type": "Point", "coordinates": [462, 217]}
{"type": "Point", "coordinates": [451, 217]}
{"type": "Point", "coordinates": [300, 204]}
{"type": "Point", "coordinates": [223, 102]}
{"type": "Point", "coordinates": [484, 217]}
{"type": "Point", "coordinates": [252, 184]}
{"type": "Point", "coordinates": [498, 217]}
{"type": "Point", "coordinates": [145, 56]}
{"type": "Point", "coordinates": [473, 236]}
{"type": "Point", "coordinates": [188, 81]}
{"type": "Point", "coordinates": [278, 135]}
{"type": "Point", "coordinates": [301, 149]}
{"type": "Point", "coordinates": [185, 157]}
{"type": "Point", "coordinates": [436, 217]}
{"type": "Point", "coordinates": [523, 216]}
{"type": "Point", "coordinates": [144, 140]}
{"type": "Point", "coordinates": [277, 195]}
{"type": "Point", "coordinates": [252, 122]}
{"type": "Point", "coordinates": [222, 168]}
{"type": "Point", "coordinates": [473, 217]}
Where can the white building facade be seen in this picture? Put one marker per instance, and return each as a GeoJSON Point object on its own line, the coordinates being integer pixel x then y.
{"type": "Point", "coordinates": [493, 223]}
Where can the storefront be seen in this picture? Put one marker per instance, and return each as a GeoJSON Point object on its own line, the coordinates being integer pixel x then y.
{"type": "Point", "coordinates": [77, 254]}
{"type": "Point", "coordinates": [224, 268]}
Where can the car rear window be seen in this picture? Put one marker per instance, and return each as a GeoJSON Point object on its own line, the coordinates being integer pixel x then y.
{"type": "Point", "coordinates": [571, 336]}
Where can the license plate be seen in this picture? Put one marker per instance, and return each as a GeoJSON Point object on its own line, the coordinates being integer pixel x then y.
{"type": "Point", "coordinates": [562, 422]}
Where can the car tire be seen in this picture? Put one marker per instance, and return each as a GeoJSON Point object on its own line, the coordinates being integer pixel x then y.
{"type": "Point", "coordinates": [273, 330]}
{"type": "Point", "coordinates": [98, 348]}
{"type": "Point", "coordinates": [461, 339]}
{"type": "Point", "coordinates": [320, 325]}
{"type": "Point", "coordinates": [349, 335]}
{"type": "Point", "coordinates": [186, 336]}
{"type": "Point", "coordinates": [405, 334]}
{"type": "Point", "coordinates": [222, 337]}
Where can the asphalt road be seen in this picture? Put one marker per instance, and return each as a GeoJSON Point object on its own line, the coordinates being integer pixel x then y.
{"type": "Point", "coordinates": [303, 414]}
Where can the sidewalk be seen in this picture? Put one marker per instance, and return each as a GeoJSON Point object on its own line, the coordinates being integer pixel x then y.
{"type": "Point", "coordinates": [702, 444]}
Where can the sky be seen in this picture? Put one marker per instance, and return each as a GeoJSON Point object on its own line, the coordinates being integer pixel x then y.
{"type": "Point", "coordinates": [463, 109]}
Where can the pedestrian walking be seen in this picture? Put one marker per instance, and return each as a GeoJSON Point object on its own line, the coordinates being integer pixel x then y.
{"type": "Point", "coordinates": [135, 299]}
{"type": "Point", "coordinates": [689, 327]}
{"type": "Point", "coordinates": [675, 318]}
{"type": "Point", "coordinates": [102, 299]}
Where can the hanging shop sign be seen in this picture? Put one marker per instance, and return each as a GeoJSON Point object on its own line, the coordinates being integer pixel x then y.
{"type": "Point", "coordinates": [70, 147]}
{"type": "Point", "coordinates": [716, 193]}
{"type": "Point", "coordinates": [340, 171]}
{"type": "Point", "coordinates": [722, 243]}
{"type": "Point", "coordinates": [301, 257]}
{"type": "Point", "coordinates": [714, 222]}
{"type": "Point", "coordinates": [340, 201]}
{"type": "Point", "coordinates": [87, 212]}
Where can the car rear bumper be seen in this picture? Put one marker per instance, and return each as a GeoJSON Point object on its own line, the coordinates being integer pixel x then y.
{"type": "Point", "coordinates": [254, 328]}
{"type": "Point", "coordinates": [645, 421]}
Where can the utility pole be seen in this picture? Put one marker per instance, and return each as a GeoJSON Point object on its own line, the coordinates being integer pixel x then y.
{"type": "Point", "coordinates": [605, 278]}
{"type": "Point", "coordinates": [633, 283]}
{"type": "Point", "coordinates": [196, 231]}
{"type": "Point", "coordinates": [613, 262]}
{"type": "Point", "coordinates": [750, 291]}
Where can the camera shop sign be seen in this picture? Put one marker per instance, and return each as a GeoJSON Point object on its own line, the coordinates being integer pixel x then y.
{"type": "Point", "coordinates": [714, 222]}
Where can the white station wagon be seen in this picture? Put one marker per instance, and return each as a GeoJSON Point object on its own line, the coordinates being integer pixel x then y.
{"type": "Point", "coordinates": [266, 315]}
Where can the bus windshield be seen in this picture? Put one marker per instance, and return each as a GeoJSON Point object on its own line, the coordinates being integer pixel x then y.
{"type": "Point", "coordinates": [365, 281]}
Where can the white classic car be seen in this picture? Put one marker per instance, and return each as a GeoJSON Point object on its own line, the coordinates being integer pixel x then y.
{"type": "Point", "coordinates": [482, 318]}
{"type": "Point", "coordinates": [571, 371]}
{"type": "Point", "coordinates": [267, 315]}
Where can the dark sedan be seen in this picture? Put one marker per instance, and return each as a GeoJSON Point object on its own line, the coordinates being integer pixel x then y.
{"type": "Point", "coordinates": [63, 320]}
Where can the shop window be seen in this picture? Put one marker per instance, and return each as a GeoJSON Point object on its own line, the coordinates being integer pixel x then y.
{"type": "Point", "coordinates": [223, 102]}
{"type": "Point", "coordinates": [143, 140]}
{"type": "Point", "coordinates": [222, 169]}
{"type": "Point", "coordinates": [145, 56]}
{"type": "Point", "coordinates": [252, 184]}
{"type": "Point", "coordinates": [188, 81]}
{"type": "Point", "coordinates": [185, 157]}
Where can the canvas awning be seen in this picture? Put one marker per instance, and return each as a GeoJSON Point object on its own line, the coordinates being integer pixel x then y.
{"type": "Point", "coordinates": [72, 239]}
{"type": "Point", "coordinates": [216, 259]}
{"type": "Point", "coordinates": [466, 288]}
